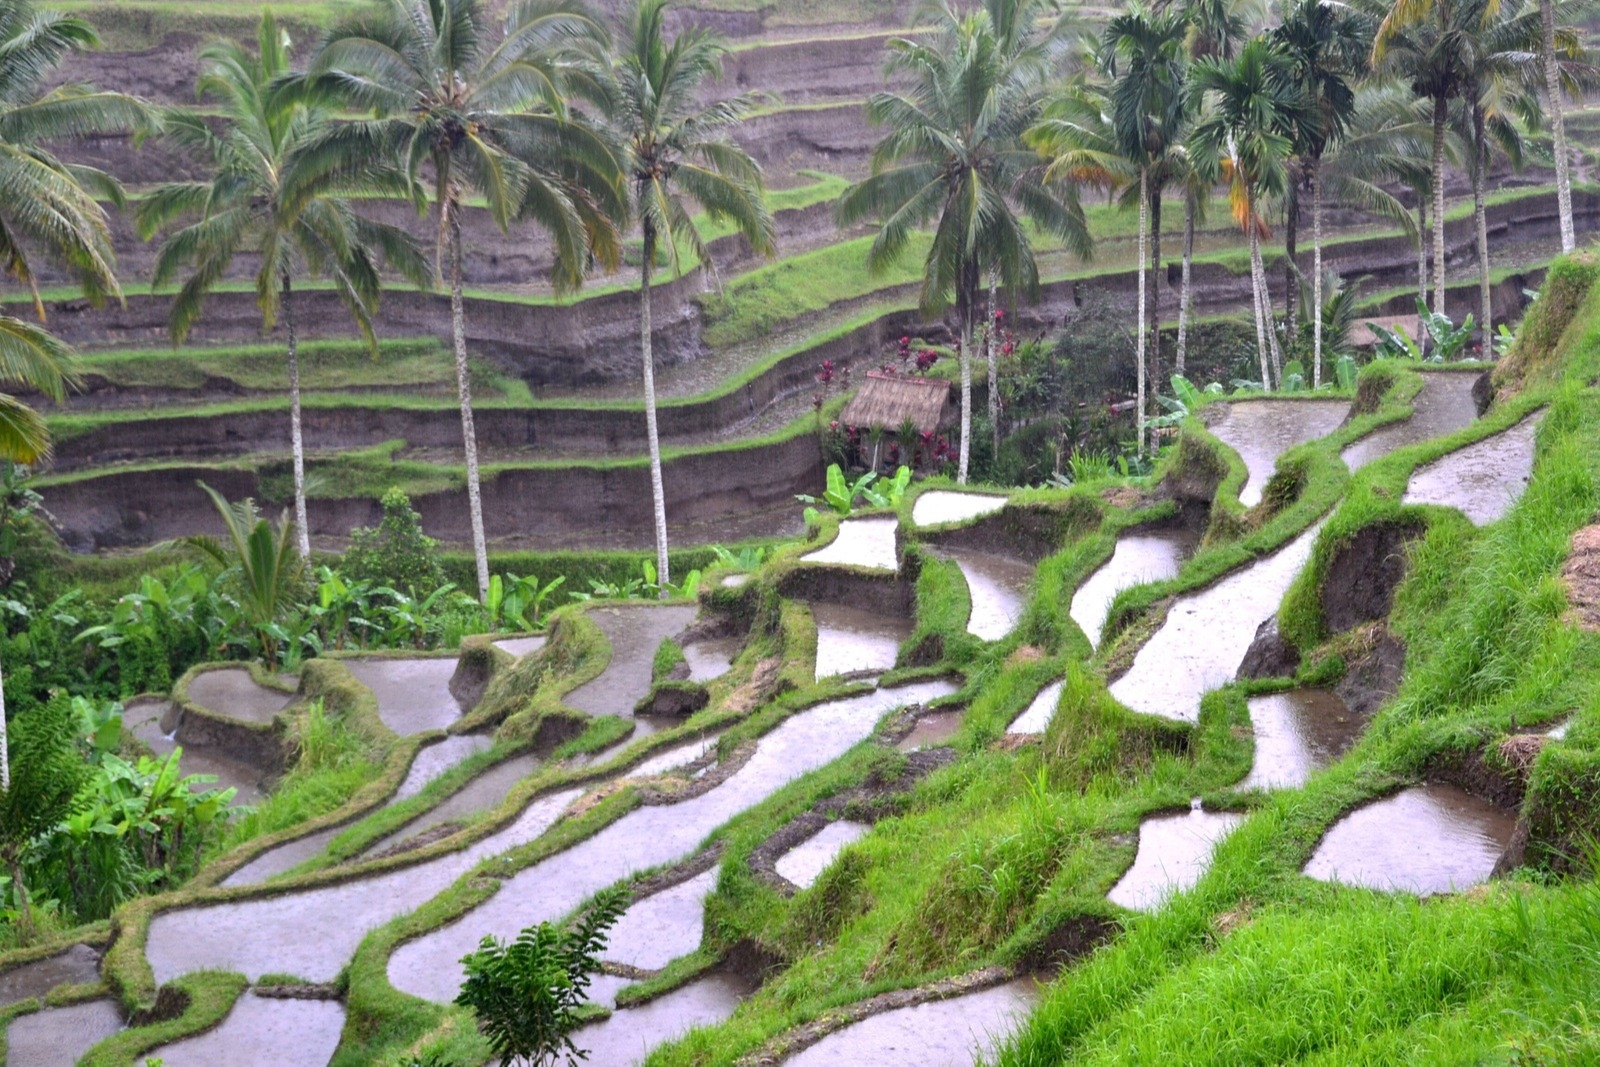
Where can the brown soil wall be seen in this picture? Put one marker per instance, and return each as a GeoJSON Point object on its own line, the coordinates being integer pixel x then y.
{"type": "Point", "coordinates": [135, 507]}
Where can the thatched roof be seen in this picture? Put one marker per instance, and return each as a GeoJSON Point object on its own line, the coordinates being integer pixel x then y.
{"type": "Point", "coordinates": [888, 400]}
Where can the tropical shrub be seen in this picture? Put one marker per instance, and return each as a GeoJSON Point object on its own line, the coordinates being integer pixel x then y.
{"type": "Point", "coordinates": [395, 553]}
{"type": "Point", "coordinates": [526, 993]}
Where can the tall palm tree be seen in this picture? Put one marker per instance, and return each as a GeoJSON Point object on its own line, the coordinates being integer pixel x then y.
{"type": "Point", "coordinates": [1215, 29]}
{"type": "Point", "coordinates": [1143, 51]}
{"type": "Point", "coordinates": [954, 157]}
{"type": "Point", "coordinates": [1428, 43]}
{"type": "Point", "coordinates": [1253, 99]}
{"type": "Point", "coordinates": [49, 209]}
{"type": "Point", "coordinates": [1558, 122]}
{"type": "Point", "coordinates": [480, 113]}
{"type": "Point", "coordinates": [678, 150]}
{"type": "Point", "coordinates": [1327, 45]}
{"type": "Point", "coordinates": [1033, 39]}
{"type": "Point", "coordinates": [263, 202]}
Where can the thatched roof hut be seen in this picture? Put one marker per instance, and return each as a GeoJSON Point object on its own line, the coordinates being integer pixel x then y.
{"type": "Point", "coordinates": [888, 400]}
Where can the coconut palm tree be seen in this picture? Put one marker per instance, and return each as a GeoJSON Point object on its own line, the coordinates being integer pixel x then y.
{"type": "Point", "coordinates": [1428, 44]}
{"type": "Point", "coordinates": [954, 158]}
{"type": "Point", "coordinates": [1143, 52]}
{"type": "Point", "coordinates": [1215, 29]}
{"type": "Point", "coordinates": [678, 151]}
{"type": "Point", "coordinates": [475, 112]}
{"type": "Point", "coordinates": [49, 210]}
{"type": "Point", "coordinates": [1033, 39]}
{"type": "Point", "coordinates": [1253, 99]}
{"type": "Point", "coordinates": [1327, 45]}
{"type": "Point", "coordinates": [262, 202]}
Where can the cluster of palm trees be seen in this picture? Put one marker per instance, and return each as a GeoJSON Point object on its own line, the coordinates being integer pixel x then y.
{"type": "Point", "coordinates": [1010, 114]}
{"type": "Point", "coordinates": [547, 116]}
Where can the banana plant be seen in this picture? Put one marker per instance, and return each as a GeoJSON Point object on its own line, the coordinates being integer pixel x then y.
{"type": "Point", "coordinates": [1344, 371]}
{"type": "Point", "coordinates": [1185, 400]}
{"type": "Point", "coordinates": [888, 494]}
{"type": "Point", "coordinates": [840, 495]}
{"type": "Point", "coordinates": [515, 602]}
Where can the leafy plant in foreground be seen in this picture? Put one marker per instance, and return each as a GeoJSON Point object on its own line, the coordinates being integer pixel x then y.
{"type": "Point", "coordinates": [264, 562]}
{"type": "Point", "coordinates": [527, 993]}
{"type": "Point", "coordinates": [41, 790]}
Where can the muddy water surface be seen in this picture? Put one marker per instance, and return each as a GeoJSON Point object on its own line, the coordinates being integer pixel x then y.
{"type": "Point", "coordinates": [1262, 430]}
{"type": "Point", "coordinates": [1298, 732]}
{"type": "Point", "coordinates": [284, 857]}
{"type": "Point", "coordinates": [711, 657]}
{"type": "Point", "coordinates": [1138, 558]}
{"type": "Point", "coordinates": [480, 794]}
{"type": "Point", "coordinates": [232, 692]}
{"type": "Point", "coordinates": [932, 730]}
{"type": "Point", "coordinates": [1427, 839]}
{"type": "Point", "coordinates": [998, 586]}
{"type": "Point", "coordinates": [1036, 716]}
{"type": "Point", "coordinates": [805, 863]}
{"type": "Point", "coordinates": [1442, 406]}
{"type": "Point", "coordinates": [522, 646]}
{"type": "Point", "coordinates": [941, 505]}
{"type": "Point", "coordinates": [263, 1032]}
{"type": "Point", "coordinates": [413, 694]}
{"type": "Point", "coordinates": [646, 837]}
{"type": "Point", "coordinates": [1174, 851]}
{"type": "Point", "coordinates": [57, 1037]}
{"type": "Point", "coordinates": [662, 926]}
{"type": "Point", "coordinates": [433, 760]}
{"type": "Point", "coordinates": [1207, 633]}
{"type": "Point", "coordinates": [630, 1034]}
{"type": "Point", "coordinates": [78, 965]}
{"type": "Point", "coordinates": [142, 718]}
{"type": "Point", "coordinates": [851, 640]}
{"type": "Point", "coordinates": [313, 933]}
{"type": "Point", "coordinates": [861, 543]}
{"type": "Point", "coordinates": [940, 1033]}
{"type": "Point", "coordinates": [1483, 479]}
{"type": "Point", "coordinates": [635, 633]}
{"type": "Point", "coordinates": [673, 757]}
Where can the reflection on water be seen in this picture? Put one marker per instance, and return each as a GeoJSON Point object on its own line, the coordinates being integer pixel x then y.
{"type": "Point", "coordinates": [1296, 733]}
{"type": "Point", "coordinates": [1152, 556]}
{"type": "Point", "coordinates": [1427, 839]}
{"type": "Point", "coordinates": [1174, 851]}
{"type": "Point", "coordinates": [1262, 430]}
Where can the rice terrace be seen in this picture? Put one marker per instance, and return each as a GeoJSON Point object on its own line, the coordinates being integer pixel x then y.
{"type": "Point", "coordinates": [804, 532]}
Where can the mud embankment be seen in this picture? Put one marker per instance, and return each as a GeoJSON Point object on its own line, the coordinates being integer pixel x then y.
{"type": "Point", "coordinates": [523, 506]}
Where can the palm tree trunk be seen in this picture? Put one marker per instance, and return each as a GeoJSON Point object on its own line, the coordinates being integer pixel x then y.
{"type": "Point", "coordinates": [658, 496]}
{"type": "Point", "coordinates": [1144, 219]}
{"type": "Point", "coordinates": [1291, 249]}
{"type": "Point", "coordinates": [1184, 295]}
{"type": "Point", "coordinates": [1481, 221]}
{"type": "Point", "coordinates": [994, 373]}
{"type": "Point", "coordinates": [1314, 174]}
{"type": "Point", "coordinates": [296, 438]}
{"type": "Point", "coordinates": [1155, 292]}
{"type": "Point", "coordinates": [1259, 267]}
{"type": "Point", "coordinates": [1255, 293]}
{"type": "Point", "coordinates": [965, 314]}
{"type": "Point", "coordinates": [469, 434]}
{"type": "Point", "coordinates": [1440, 114]}
{"type": "Point", "coordinates": [1422, 268]}
{"type": "Point", "coordinates": [1558, 123]}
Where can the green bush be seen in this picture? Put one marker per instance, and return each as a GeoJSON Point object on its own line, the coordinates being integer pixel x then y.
{"type": "Point", "coordinates": [395, 553]}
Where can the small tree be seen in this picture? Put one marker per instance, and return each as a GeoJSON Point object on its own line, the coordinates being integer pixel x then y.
{"type": "Point", "coordinates": [527, 993]}
{"type": "Point", "coordinates": [396, 552]}
{"type": "Point", "coordinates": [43, 789]}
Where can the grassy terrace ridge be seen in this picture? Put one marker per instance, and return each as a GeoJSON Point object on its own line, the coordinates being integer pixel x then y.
{"type": "Point", "coordinates": [843, 264]}
{"type": "Point", "coordinates": [369, 472]}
